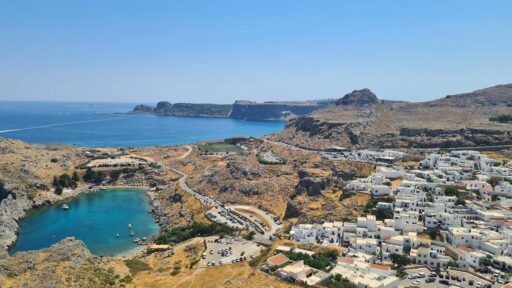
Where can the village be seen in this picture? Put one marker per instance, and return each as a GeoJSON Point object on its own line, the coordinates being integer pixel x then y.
{"type": "Point", "coordinates": [444, 221]}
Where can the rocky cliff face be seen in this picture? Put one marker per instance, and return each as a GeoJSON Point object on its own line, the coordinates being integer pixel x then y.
{"type": "Point", "coordinates": [360, 120]}
{"type": "Point", "coordinates": [67, 263]}
{"type": "Point", "coordinates": [185, 109]}
{"type": "Point", "coordinates": [280, 111]}
{"type": "Point", "coordinates": [246, 110]}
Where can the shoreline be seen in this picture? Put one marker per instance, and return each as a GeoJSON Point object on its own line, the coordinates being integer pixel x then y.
{"type": "Point", "coordinates": [76, 193]}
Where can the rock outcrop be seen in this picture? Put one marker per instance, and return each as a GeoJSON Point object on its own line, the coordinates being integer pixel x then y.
{"type": "Point", "coordinates": [67, 263]}
{"type": "Point", "coordinates": [143, 109]}
{"type": "Point", "coordinates": [359, 98]}
{"type": "Point", "coordinates": [360, 120]}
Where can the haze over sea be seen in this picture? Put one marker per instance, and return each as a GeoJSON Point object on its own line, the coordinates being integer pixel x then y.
{"type": "Point", "coordinates": [100, 125]}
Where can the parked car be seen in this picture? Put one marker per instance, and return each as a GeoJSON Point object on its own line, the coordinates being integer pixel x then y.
{"type": "Point", "coordinates": [444, 282]}
{"type": "Point", "coordinates": [430, 280]}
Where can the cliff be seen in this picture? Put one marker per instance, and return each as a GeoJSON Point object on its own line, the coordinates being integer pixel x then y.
{"type": "Point", "coordinates": [185, 109]}
{"type": "Point", "coordinates": [67, 263]}
{"type": "Point", "coordinates": [246, 110]}
{"type": "Point", "coordinates": [280, 111]}
{"type": "Point", "coordinates": [359, 120]}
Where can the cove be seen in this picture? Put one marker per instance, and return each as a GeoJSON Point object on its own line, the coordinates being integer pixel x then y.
{"type": "Point", "coordinates": [94, 218]}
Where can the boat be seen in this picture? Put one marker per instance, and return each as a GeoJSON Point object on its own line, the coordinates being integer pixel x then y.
{"type": "Point", "coordinates": [117, 235]}
{"type": "Point", "coordinates": [136, 240]}
{"type": "Point", "coordinates": [65, 206]}
{"type": "Point", "coordinates": [129, 226]}
{"type": "Point", "coordinates": [132, 233]}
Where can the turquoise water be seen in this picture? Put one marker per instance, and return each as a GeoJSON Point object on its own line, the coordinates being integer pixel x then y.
{"type": "Point", "coordinates": [94, 218]}
{"type": "Point", "coordinates": [98, 125]}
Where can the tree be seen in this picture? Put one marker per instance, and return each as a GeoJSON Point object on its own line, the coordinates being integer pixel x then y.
{"type": "Point", "coordinates": [66, 181]}
{"type": "Point", "coordinates": [434, 233]}
{"type": "Point", "coordinates": [487, 261]}
{"type": "Point", "coordinates": [75, 178]}
{"type": "Point", "coordinates": [452, 263]}
{"type": "Point", "coordinates": [92, 176]}
{"type": "Point", "coordinates": [383, 213]}
{"type": "Point", "coordinates": [495, 180]}
{"type": "Point", "coordinates": [250, 236]}
{"type": "Point", "coordinates": [55, 181]}
{"type": "Point", "coordinates": [450, 191]}
{"type": "Point", "coordinates": [399, 260]}
{"type": "Point", "coordinates": [58, 190]}
{"type": "Point", "coordinates": [460, 201]}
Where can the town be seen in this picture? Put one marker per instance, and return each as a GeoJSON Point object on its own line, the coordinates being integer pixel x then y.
{"type": "Point", "coordinates": [444, 221]}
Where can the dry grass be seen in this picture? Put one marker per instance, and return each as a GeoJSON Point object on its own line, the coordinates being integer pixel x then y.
{"type": "Point", "coordinates": [232, 275]}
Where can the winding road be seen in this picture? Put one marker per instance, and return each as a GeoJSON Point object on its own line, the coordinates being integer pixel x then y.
{"type": "Point", "coordinates": [206, 200]}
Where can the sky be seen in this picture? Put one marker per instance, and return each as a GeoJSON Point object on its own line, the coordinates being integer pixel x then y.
{"type": "Point", "coordinates": [220, 51]}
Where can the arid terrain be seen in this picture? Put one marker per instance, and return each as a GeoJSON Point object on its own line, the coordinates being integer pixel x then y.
{"type": "Point", "coordinates": [303, 188]}
{"type": "Point", "coordinates": [361, 120]}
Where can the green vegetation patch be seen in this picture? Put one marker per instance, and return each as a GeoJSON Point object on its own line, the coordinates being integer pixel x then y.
{"type": "Point", "coordinates": [219, 148]}
{"type": "Point", "coordinates": [502, 118]}
{"type": "Point", "coordinates": [136, 265]}
{"type": "Point", "coordinates": [321, 260]}
{"type": "Point", "coordinates": [179, 234]}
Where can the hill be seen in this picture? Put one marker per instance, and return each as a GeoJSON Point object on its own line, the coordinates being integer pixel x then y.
{"type": "Point", "coordinates": [359, 120]}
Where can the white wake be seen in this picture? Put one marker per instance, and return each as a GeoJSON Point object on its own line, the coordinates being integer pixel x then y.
{"type": "Point", "coordinates": [57, 125]}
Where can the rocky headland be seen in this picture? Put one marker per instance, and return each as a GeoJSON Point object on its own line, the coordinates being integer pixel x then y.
{"type": "Point", "coordinates": [244, 110]}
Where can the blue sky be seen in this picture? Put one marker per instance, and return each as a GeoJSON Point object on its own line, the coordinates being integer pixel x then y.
{"type": "Point", "coordinates": [219, 51]}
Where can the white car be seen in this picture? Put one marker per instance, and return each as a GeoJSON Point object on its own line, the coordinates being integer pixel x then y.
{"type": "Point", "coordinates": [416, 282]}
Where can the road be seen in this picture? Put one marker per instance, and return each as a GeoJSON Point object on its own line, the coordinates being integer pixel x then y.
{"type": "Point", "coordinates": [270, 226]}
{"type": "Point", "coordinates": [291, 147]}
{"type": "Point", "coordinates": [221, 211]}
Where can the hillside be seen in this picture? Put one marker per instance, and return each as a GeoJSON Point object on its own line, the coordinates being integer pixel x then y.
{"type": "Point", "coordinates": [280, 111]}
{"type": "Point", "coordinates": [360, 121]}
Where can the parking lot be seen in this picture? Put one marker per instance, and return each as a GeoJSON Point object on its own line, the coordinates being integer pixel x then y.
{"type": "Point", "coordinates": [220, 216]}
{"type": "Point", "coordinates": [458, 278]}
{"type": "Point", "coordinates": [228, 250]}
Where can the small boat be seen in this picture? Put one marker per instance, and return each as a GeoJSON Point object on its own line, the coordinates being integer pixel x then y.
{"type": "Point", "coordinates": [136, 240]}
{"type": "Point", "coordinates": [129, 226]}
{"type": "Point", "coordinates": [65, 206]}
{"type": "Point", "coordinates": [117, 235]}
{"type": "Point", "coordinates": [132, 233]}
{"type": "Point", "coordinates": [144, 238]}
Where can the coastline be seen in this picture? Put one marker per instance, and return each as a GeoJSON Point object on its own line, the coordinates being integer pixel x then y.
{"type": "Point", "coordinates": [8, 244]}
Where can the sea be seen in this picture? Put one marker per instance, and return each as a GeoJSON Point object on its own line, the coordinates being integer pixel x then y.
{"type": "Point", "coordinates": [97, 218]}
{"type": "Point", "coordinates": [107, 125]}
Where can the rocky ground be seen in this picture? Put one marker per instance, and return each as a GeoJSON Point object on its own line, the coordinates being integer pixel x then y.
{"type": "Point", "coordinates": [65, 264]}
{"type": "Point", "coordinates": [304, 188]}
{"type": "Point", "coordinates": [361, 120]}
{"type": "Point", "coordinates": [305, 181]}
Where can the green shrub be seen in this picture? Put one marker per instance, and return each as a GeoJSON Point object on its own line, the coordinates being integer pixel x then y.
{"type": "Point", "coordinates": [321, 260]}
{"type": "Point", "coordinates": [182, 233]}
{"type": "Point", "coordinates": [502, 118]}
{"type": "Point", "coordinates": [136, 265]}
